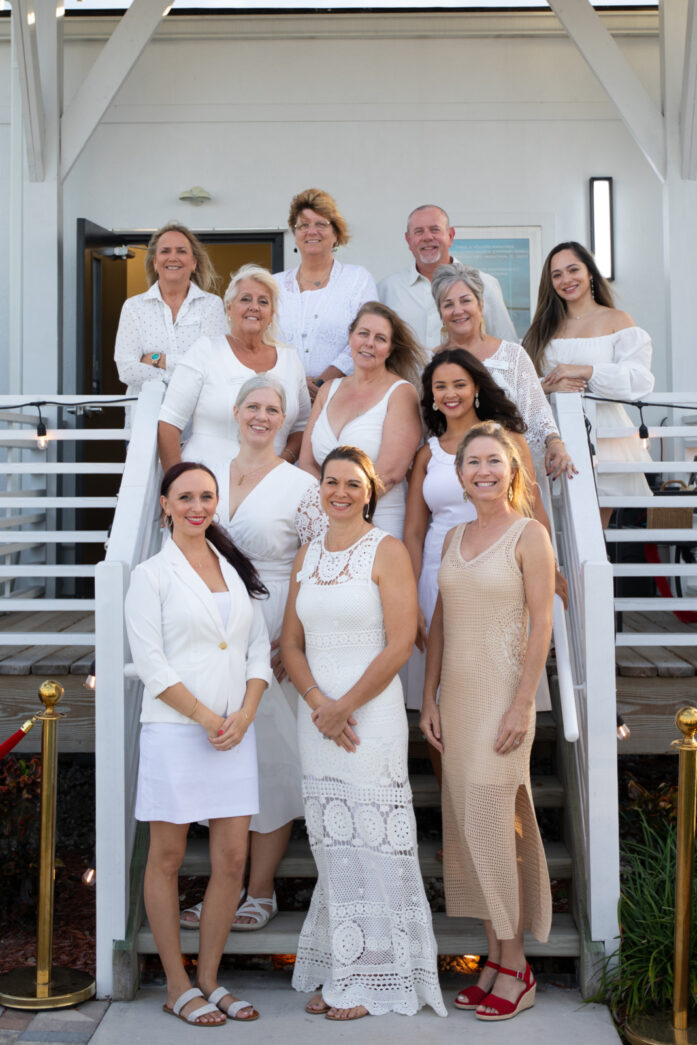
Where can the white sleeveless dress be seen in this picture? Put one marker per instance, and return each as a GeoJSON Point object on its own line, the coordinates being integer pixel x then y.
{"type": "Point", "coordinates": [365, 432]}
{"type": "Point", "coordinates": [265, 528]}
{"type": "Point", "coordinates": [368, 937]}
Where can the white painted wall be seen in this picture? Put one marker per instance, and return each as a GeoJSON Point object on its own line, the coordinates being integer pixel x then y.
{"type": "Point", "coordinates": [498, 130]}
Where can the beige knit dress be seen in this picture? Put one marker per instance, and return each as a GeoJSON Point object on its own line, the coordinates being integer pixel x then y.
{"type": "Point", "coordinates": [489, 823]}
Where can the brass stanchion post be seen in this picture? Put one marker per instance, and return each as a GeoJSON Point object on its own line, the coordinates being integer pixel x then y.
{"type": "Point", "coordinates": [662, 1030]}
{"type": "Point", "coordinates": [46, 986]}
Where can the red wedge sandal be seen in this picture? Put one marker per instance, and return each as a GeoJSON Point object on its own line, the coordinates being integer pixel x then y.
{"type": "Point", "coordinates": [504, 1009]}
{"type": "Point", "coordinates": [471, 997]}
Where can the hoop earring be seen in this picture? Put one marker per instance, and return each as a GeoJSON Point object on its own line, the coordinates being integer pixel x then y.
{"type": "Point", "coordinates": [476, 400]}
{"type": "Point", "coordinates": [434, 406]}
{"type": "Point", "coordinates": [465, 496]}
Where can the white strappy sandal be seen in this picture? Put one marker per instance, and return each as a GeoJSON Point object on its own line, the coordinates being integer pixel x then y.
{"type": "Point", "coordinates": [252, 908]}
{"type": "Point", "coordinates": [195, 922]}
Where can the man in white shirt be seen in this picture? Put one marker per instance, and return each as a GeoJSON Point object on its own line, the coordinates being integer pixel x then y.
{"type": "Point", "coordinates": [429, 237]}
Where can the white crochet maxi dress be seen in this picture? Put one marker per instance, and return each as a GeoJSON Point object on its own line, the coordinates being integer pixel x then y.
{"type": "Point", "coordinates": [368, 937]}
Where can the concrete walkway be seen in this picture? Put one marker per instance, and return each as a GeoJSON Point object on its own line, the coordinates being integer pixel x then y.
{"type": "Point", "coordinates": [558, 1014]}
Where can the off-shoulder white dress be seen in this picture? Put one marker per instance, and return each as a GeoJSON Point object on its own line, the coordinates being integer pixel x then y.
{"type": "Point", "coordinates": [621, 368]}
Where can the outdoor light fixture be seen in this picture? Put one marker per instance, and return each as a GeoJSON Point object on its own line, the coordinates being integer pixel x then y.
{"type": "Point", "coordinates": [90, 682]}
{"type": "Point", "coordinates": [196, 195]}
{"type": "Point", "coordinates": [41, 433]}
{"type": "Point", "coordinates": [602, 246]}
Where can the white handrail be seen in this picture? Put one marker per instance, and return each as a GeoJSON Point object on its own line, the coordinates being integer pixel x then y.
{"type": "Point", "coordinates": [592, 663]}
{"type": "Point", "coordinates": [134, 534]}
{"type": "Point", "coordinates": [567, 699]}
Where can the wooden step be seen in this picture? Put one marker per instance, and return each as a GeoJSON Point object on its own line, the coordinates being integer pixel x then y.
{"type": "Point", "coordinates": [453, 935]}
{"type": "Point", "coordinates": [298, 861]}
{"type": "Point", "coordinates": [547, 791]}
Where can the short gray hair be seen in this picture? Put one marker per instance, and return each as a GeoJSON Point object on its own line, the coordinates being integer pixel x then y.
{"type": "Point", "coordinates": [447, 276]}
{"type": "Point", "coordinates": [429, 206]}
{"type": "Point", "coordinates": [263, 380]}
{"type": "Point", "coordinates": [263, 276]}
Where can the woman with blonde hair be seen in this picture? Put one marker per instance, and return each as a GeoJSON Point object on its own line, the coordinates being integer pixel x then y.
{"type": "Point", "coordinates": [320, 297]}
{"type": "Point", "coordinates": [156, 328]}
{"type": "Point", "coordinates": [496, 575]}
{"type": "Point", "coordinates": [204, 387]}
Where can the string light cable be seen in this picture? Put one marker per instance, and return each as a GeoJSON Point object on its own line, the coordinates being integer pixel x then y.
{"type": "Point", "coordinates": [41, 431]}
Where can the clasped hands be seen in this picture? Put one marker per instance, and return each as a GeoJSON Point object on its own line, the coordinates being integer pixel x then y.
{"type": "Point", "coordinates": [567, 377]}
{"type": "Point", "coordinates": [226, 733]}
{"type": "Point", "coordinates": [334, 722]}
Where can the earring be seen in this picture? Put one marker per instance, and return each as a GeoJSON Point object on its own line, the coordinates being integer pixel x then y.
{"type": "Point", "coordinates": [168, 522]}
{"type": "Point", "coordinates": [295, 250]}
{"type": "Point", "coordinates": [434, 406]}
{"type": "Point", "coordinates": [366, 512]}
{"type": "Point", "coordinates": [335, 248]}
{"type": "Point", "coordinates": [510, 493]}
{"type": "Point", "coordinates": [216, 518]}
{"type": "Point", "coordinates": [592, 287]}
{"type": "Point", "coordinates": [482, 328]}
{"type": "Point", "coordinates": [476, 400]}
{"type": "Point", "coordinates": [465, 496]}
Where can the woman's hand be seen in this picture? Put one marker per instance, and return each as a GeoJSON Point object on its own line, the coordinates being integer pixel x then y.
{"type": "Point", "coordinates": [563, 384]}
{"type": "Point", "coordinates": [568, 371]}
{"type": "Point", "coordinates": [277, 667]}
{"type": "Point", "coordinates": [558, 460]}
{"type": "Point", "coordinates": [421, 632]}
{"type": "Point", "coordinates": [512, 730]}
{"type": "Point", "coordinates": [232, 731]}
{"type": "Point", "coordinates": [333, 722]}
{"type": "Point", "coordinates": [160, 362]}
{"type": "Point", "coordinates": [561, 587]}
{"type": "Point", "coordinates": [429, 725]}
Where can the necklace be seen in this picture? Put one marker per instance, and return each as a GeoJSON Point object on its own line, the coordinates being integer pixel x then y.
{"type": "Point", "coordinates": [584, 314]}
{"type": "Point", "coordinates": [253, 471]}
{"type": "Point", "coordinates": [314, 282]}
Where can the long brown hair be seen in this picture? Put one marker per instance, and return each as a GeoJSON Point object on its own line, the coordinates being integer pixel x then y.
{"type": "Point", "coordinates": [215, 533]}
{"type": "Point", "coordinates": [551, 310]}
{"type": "Point", "coordinates": [360, 458]}
{"type": "Point", "coordinates": [407, 357]}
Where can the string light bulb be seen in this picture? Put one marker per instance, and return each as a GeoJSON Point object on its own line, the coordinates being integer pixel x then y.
{"type": "Point", "coordinates": [623, 730]}
{"type": "Point", "coordinates": [643, 430]}
{"type": "Point", "coordinates": [90, 682]}
{"type": "Point", "coordinates": [41, 433]}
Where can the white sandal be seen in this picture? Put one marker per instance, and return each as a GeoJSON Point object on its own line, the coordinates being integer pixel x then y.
{"type": "Point", "coordinates": [252, 908]}
{"type": "Point", "coordinates": [194, 1016]}
{"type": "Point", "coordinates": [235, 1007]}
{"type": "Point", "coordinates": [195, 922]}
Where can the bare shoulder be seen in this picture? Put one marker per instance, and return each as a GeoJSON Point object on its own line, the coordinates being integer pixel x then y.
{"type": "Point", "coordinates": [391, 554]}
{"type": "Point", "coordinates": [404, 393]}
{"type": "Point", "coordinates": [535, 539]}
{"type": "Point", "coordinates": [619, 319]}
{"type": "Point", "coordinates": [448, 539]}
{"type": "Point", "coordinates": [423, 456]}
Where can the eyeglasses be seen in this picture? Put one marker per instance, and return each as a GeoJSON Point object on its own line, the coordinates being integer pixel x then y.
{"type": "Point", "coordinates": [305, 226]}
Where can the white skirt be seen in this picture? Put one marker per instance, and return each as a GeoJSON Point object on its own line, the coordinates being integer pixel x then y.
{"type": "Point", "coordinates": [182, 778]}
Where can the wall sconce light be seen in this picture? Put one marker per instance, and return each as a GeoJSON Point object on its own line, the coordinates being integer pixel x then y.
{"type": "Point", "coordinates": [602, 245]}
{"type": "Point", "coordinates": [196, 195]}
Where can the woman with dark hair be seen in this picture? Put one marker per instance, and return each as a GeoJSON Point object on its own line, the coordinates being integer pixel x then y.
{"type": "Point", "coordinates": [156, 328]}
{"type": "Point", "coordinates": [457, 392]}
{"type": "Point", "coordinates": [349, 626]}
{"type": "Point", "coordinates": [376, 408]}
{"type": "Point", "coordinates": [580, 342]}
{"type": "Point", "coordinates": [200, 646]}
{"type": "Point", "coordinates": [319, 297]}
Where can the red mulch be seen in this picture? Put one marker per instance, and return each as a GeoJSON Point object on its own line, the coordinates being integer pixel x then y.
{"type": "Point", "coordinates": [74, 933]}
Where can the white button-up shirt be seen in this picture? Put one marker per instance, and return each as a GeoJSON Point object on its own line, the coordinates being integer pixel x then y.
{"type": "Point", "coordinates": [409, 294]}
{"type": "Point", "coordinates": [146, 326]}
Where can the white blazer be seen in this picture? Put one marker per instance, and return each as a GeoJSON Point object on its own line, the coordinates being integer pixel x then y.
{"type": "Point", "coordinates": [177, 635]}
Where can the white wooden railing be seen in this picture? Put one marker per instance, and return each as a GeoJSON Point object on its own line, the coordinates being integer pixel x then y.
{"type": "Point", "coordinates": [591, 763]}
{"type": "Point", "coordinates": [38, 504]}
{"type": "Point", "coordinates": [135, 535]}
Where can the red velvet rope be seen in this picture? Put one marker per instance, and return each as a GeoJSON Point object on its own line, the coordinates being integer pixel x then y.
{"type": "Point", "coordinates": [15, 738]}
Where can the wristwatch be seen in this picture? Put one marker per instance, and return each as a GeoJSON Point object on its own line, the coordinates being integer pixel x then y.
{"type": "Point", "coordinates": [156, 358]}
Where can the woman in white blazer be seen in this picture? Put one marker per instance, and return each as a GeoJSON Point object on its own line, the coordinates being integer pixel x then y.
{"type": "Point", "coordinates": [200, 646]}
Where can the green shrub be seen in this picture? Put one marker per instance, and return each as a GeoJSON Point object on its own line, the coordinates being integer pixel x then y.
{"type": "Point", "coordinates": [641, 981]}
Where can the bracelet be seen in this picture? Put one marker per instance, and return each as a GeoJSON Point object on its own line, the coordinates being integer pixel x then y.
{"type": "Point", "coordinates": [292, 456]}
{"type": "Point", "coordinates": [309, 688]}
{"type": "Point", "coordinates": [552, 439]}
{"type": "Point", "coordinates": [191, 713]}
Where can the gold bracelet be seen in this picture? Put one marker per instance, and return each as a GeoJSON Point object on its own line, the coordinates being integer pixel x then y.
{"type": "Point", "coordinates": [191, 713]}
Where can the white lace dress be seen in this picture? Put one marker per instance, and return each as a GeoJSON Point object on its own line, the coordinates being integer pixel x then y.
{"type": "Point", "coordinates": [367, 938]}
